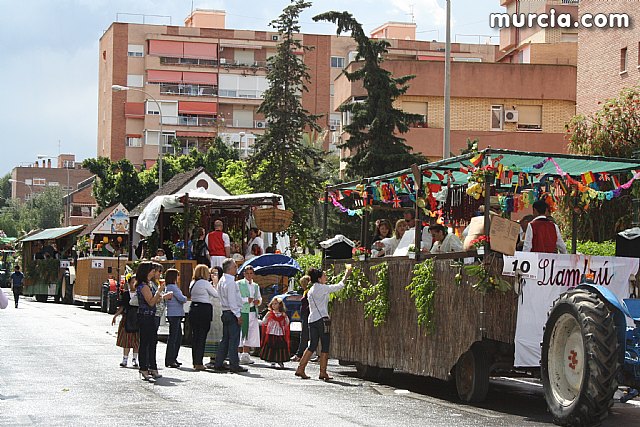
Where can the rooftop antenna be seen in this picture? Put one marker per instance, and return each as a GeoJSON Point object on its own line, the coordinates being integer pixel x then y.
{"type": "Point", "coordinates": [413, 17]}
{"type": "Point", "coordinates": [192, 7]}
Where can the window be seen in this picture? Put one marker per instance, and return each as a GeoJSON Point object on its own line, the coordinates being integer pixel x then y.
{"type": "Point", "coordinates": [135, 80]}
{"type": "Point", "coordinates": [497, 117]}
{"type": "Point", "coordinates": [569, 37]}
{"type": "Point", "coordinates": [169, 111]}
{"type": "Point", "coordinates": [134, 142]}
{"type": "Point", "coordinates": [337, 62]}
{"type": "Point", "coordinates": [39, 181]}
{"type": "Point", "coordinates": [529, 117]}
{"type": "Point", "coordinates": [54, 184]}
{"type": "Point", "coordinates": [236, 86]}
{"type": "Point", "coordinates": [623, 60]}
{"type": "Point", "coordinates": [416, 108]}
{"type": "Point", "coordinates": [135, 50]}
{"type": "Point", "coordinates": [28, 181]}
{"type": "Point", "coordinates": [69, 164]}
{"type": "Point", "coordinates": [65, 188]}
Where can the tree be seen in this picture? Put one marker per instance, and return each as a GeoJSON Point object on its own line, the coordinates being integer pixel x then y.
{"type": "Point", "coordinates": [281, 162]}
{"type": "Point", "coordinates": [5, 190]}
{"type": "Point", "coordinates": [375, 147]}
{"type": "Point", "coordinates": [613, 130]}
{"type": "Point", "coordinates": [117, 182]}
{"type": "Point", "coordinates": [234, 178]}
{"type": "Point", "coordinates": [48, 207]}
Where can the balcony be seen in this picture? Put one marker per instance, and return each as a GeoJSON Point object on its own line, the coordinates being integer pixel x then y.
{"type": "Point", "coordinates": [189, 62]}
{"type": "Point", "coordinates": [188, 90]}
{"type": "Point", "coordinates": [188, 120]}
{"type": "Point", "coordinates": [237, 93]}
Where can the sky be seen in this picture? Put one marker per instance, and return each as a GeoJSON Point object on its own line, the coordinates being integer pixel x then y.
{"type": "Point", "coordinates": [49, 55]}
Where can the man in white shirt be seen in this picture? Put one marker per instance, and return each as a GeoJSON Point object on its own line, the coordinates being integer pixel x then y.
{"type": "Point", "coordinates": [444, 242]}
{"type": "Point", "coordinates": [231, 302]}
{"type": "Point", "coordinates": [219, 244]}
{"type": "Point", "coordinates": [543, 235]}
{"type": "Point", "coordinates": [254, 239]}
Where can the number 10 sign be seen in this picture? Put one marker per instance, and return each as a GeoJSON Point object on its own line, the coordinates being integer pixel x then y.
{"type": "Point", "coordinates": [525, 263]}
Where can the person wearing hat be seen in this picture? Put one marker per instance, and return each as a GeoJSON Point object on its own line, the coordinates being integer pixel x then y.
{"type": "Point", "coordinates": [444, 242]}
{"type": "Point", "coordinates": [543, 235]}
{"type": "Point", "coordinates": [475, 228]}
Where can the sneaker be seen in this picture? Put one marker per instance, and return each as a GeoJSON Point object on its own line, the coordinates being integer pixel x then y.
{"type": "Point", "coordinates": [123, 364]}
{"type": "Point", "coordinates": [245, 359]}
{"type": "Point", "coordinates": [295, 358]}
{"type": "Point", "coordinates": [134, 362]}
{"type": "Point", "coordinates": [210, 365]}
{"type": "Point", "coordinates": [238, 369]}
{"type": "Point", "coordinates": [281, 365]}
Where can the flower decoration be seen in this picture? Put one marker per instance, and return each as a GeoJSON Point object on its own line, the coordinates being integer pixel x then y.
{"type": "Point", "coordinates": [359, 251]}
{"type": "Point", "coordinates": [481, 241]}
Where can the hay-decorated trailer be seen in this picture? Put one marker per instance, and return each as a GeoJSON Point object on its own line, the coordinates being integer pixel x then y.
{"type": "Point", "coordinates": [468, 315]}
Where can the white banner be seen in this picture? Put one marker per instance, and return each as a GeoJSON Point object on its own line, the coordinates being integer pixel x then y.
{"type": "Point", "coordinates": [557, 274]}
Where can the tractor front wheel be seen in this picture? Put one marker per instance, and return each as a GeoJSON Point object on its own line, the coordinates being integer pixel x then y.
{"type": "Point", "coordinates": [579, 359]}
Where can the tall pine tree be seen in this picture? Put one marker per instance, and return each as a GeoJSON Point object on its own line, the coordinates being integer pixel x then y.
{"type": "Point", "coordinates": [282, 162]}
{"type": "Point", "coordinates": [374, 145]}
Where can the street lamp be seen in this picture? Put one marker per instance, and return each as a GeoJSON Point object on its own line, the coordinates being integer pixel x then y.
{"type": "Point", "coordinates": [28, 186]}
{"type": "Point", "coordinates": [118, 88]}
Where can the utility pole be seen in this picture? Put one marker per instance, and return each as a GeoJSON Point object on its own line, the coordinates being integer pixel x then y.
{"type": "Point", "coordinates": [446, 143]}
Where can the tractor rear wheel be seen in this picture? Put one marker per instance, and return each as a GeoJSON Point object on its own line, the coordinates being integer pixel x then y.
{"type": "Point", "coordinates": [579, 359]}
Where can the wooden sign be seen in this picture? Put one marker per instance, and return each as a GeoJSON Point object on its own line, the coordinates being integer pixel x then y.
{"type": "Point", "coordinates": [504, 235]}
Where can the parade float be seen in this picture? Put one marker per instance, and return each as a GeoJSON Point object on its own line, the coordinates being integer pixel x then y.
{"type": "Point", "coordinates": [471, 315]}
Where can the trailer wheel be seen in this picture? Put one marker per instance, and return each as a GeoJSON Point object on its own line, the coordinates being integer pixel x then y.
{"type": "Point", "coordinates": [579, 359]}
{"type": "Point", "coordinates": [472, 375]}
{"type": "Point", "coordinates": [41, 297]}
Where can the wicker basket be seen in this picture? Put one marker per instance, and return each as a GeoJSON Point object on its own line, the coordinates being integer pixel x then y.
{"type": "Point", "coordinates": [273, 220]}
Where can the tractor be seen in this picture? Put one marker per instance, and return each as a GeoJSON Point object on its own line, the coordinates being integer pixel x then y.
{"type": "Point", "coordinates": [588, 351]}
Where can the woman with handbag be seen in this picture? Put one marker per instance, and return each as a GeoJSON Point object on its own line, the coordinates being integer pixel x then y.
{"type": "Point", "coordinates": [319, 320]}
{"type": "Point", "coordinates": [201, 313]}
{"type": "Point", "coordinates": [148, 299]}
{"type": "Point", "coordinates": [128, 336]}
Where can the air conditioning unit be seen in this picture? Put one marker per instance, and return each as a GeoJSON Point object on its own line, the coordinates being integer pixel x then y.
{"type": "Point", "coordinates": [510, 116]}
{"type": "Point", "coordinates": [333, 127]}
{"type": "Point", "coordinates": [275, 37]}
{"type": "Point", "coordinates": [260, 124]}
{"type": "Point", "coordinates": [222, 60]}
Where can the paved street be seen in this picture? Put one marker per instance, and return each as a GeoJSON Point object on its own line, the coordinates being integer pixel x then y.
{"type": "Point", "coordinates": [60, 367]}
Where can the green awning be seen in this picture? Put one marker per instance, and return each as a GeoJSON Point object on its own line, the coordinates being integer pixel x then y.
{"type": "Point", "coordinates": [517, 161]}
{"type": "Point", "coordinates": [52, 233]}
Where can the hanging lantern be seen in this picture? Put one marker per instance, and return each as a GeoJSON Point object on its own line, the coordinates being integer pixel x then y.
{"type": "Point", "coordinates": [119, 239]}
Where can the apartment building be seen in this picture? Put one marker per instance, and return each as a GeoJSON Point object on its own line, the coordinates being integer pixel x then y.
{"type": "Point", "coordinates": [535, 45]}
{"type": "Point", "coordinates": [515, 106]}
{"type": "Point", "coordinates": [208, 80]}
{"type": "Point", "coordinates": [608, 58]}
{"type": "Point", "coordinates": [30, 179]}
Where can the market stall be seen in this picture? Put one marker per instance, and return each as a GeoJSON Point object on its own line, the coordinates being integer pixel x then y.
{"type": "Point", "coordinates": [46, 257]}
{"type": "Point", "coordinates": [458, 317]}
{"type": "Point", "coordinates": [102, 249]}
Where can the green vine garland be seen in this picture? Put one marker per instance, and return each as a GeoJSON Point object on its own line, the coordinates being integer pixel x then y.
{"type": "Point", "coordinates": [486, 281]}
{"type": "Point", "coordinates": [378, 307]}
{"type": "Point", "coordinates": [423, 288]}
{"type": "Point", "coordinates": [43, 271]}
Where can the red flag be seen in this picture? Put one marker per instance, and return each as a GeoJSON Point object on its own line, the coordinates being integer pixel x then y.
{"type": "Point", "coordinates": [615, 181]}
{"type": "Point", "coordinates": [396, 202]}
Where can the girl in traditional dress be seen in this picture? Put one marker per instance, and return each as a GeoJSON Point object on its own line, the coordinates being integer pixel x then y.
{"type": "Point", "coordinates": [127, 340]}
{"type": "Point", "coordinates": [275, 326]}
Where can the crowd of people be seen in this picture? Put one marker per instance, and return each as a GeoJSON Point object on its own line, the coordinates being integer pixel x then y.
{"type": "Point", "coordinates": [223, 318]}
{"type": "Point", "coordinates": [538, 233]}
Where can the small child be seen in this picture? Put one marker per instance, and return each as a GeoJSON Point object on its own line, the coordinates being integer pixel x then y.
{"type": "Point", "coordinates": [275, 326]}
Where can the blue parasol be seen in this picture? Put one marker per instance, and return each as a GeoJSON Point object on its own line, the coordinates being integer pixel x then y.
{"type": "Point", "coordinates": [277, 264]}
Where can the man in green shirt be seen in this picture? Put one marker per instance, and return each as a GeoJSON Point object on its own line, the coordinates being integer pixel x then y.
{"type": "Point", "coordinates": [251, 299]}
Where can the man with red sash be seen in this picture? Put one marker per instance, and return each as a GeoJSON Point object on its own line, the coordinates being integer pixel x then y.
{"type": "Point", "coordinates": [219, 244]}
{"type": "Point", "coordinates": [543, 234]}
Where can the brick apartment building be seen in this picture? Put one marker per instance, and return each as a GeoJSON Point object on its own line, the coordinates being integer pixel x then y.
{"type": "Point", "coordinates": [210, 81]}
{"type": "Point", "coordinates": [537, 45]}
{"type": "Point", "coordinates": [608, 59]}
{"type": "Point", "coordinates": [32, 179]}
{"type": "Point", "coordinates": [516, 106]}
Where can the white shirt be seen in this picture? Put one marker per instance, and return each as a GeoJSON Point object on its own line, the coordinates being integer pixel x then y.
{"type": "Point", "coordinates": [201, 290]}
{"type": "Point", "coordinates": [451, 243]}
{"type": "Point", "coordinates": [255, 241]}
{"type": "Point", "coordinates": [408, 238]}
{"type": "Point", "coordinates": [318, 297]}
{"type": "Point", "coordinates": [528, 238]}
{"type": "Point", "coordinates": [229, 292]}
